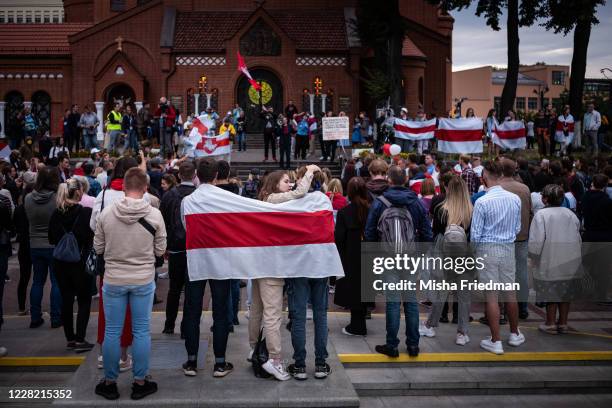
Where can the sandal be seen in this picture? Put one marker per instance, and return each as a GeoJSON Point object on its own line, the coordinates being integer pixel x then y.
{"type": "Point", "coordinates": [552, 329]}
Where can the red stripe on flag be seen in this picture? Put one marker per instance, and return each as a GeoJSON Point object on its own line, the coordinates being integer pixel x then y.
{"type": "Point", "coordinates": [258, 229]}
{"type": "Point", "coordinates": [570, 126]}
{"type": "Point", "coordinates": [202, 129]}
{"type": "Point", "coordinates": [510, 134]}
{"type": "Point", "coordinates": [416, 131]}
{"type": "Point", "coordinates": [459, 135]}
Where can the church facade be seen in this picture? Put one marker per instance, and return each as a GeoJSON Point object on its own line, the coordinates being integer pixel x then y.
{"type": "Point", "coordinates": [136, 51]}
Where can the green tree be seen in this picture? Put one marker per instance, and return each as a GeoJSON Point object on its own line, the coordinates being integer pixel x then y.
{"type": "Point", "coordinates": [381, 27]}
{"type": "Point", "coordinates": [580, 16]}
{"type": "Point", "coordinates": [518, 14]}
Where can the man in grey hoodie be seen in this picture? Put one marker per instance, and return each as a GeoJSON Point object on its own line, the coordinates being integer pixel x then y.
{"type": "Point", "coordinates": [129, 274]}
{"type": "Point", "coordinates": [39, 205]}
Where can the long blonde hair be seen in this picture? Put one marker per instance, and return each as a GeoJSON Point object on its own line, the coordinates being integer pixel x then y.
{"type": "Point", "coordinates": [457, 207]}
{"type": "Point", "coordinates": [69, 194]}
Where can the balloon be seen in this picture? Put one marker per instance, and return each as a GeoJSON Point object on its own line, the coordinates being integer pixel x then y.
{"type": "Point", "coordinates": [386, 148]}
{"type": "Point", "coordinates": [395, 150]}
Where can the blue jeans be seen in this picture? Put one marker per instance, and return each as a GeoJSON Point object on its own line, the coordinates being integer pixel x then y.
{"type": "Point", "coordinates": [42, 263]}
{"type": "Point", "coordinates": [241, 141]}
{"type": "Point", "coordinates": [411, 314]}
{"type": "Point", "coordinates": [301, 291]}
{"type": "Point", "coordinates": [131, 140]}
{"type": "Point", "coordinates": [112, 139]}
{"type": "Point", "coordinates": [234, 301]}
{"type": "Point", "coordinates": [89, 140]}
{"type": "Point", "coordinates": [116, 299]}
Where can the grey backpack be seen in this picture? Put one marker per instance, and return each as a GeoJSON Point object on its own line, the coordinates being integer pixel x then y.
{"type": "Point", "coordinates": [396, 228]}
{"type": "Point", "coordinates": [454, 242]}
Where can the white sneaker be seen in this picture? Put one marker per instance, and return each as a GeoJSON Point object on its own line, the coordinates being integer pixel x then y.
{"type": "Point", "coordinates": [308, 314]}
{"type": "Point", "coordinates": [250, 357]}
{"type": "Point", "coordinates": [3, 351]}
{"type": "Point", "coordinates": [125, 365]}
{"type": "Point", "coordinates": [426, 331]}
{"type": "Point", "coordinates": [516, 340]}
{"type": "Point", "coordinates": [163, 275]}
{"type": "Point", "coordinates": [247, 314]}
{"type": "Point", "coordinates": [494, 347]}
{"type": "Point", "coordinates": [321, 158]}
{"type": "Point", "coordinates": [462, 339]}
{"type": "Point", "coordinates": [277, 370]}
{"type": "Point", "coordinates": [100, 361]}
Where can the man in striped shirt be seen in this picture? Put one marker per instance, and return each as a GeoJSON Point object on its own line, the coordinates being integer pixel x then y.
{"type": "Point", "coordinates": [495, 223]}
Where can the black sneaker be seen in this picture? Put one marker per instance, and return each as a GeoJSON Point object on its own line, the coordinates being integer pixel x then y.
{"type": "Point", "coordinates": [223, 369]}
{"type": "Point", "coordinates": [413, 351]}
{"type": "Point", "coordinates": [71, 345]}
{"type": "Point", "coordinates": [190, 369]}
{"type": "Point", "coordinates": [455, 320]}
{"type": "Point", "coordinates": [141, 391]}
{"type": "Point", "coordinates": [168, 330]}
{"type": "Point", "coordinates": [288, 326]}
{"type": "Point", "coordinates": [108, 391]}
{"type": "Point", "coordinates": [37, 324]}
{"type": "Point", "coordinates": [82, 346]}
{"type": "Point", "coordinates": [387, 351]}
{"type": "Point", "coordinates": [322, 371]}
{"type": "Point", "coordinates": [299, 373]}
{"type": "Point", "coordinates": [523, 315]}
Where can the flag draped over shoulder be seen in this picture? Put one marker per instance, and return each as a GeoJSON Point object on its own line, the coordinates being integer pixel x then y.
{"type": "Point", "coordinates": [565, 129]}
{"type": "Point", "coordinates": [234, 237]}
{"type": "Point", "coordinates": [414, 130]}
{"type": "Point", "coordinates": [201, 144]}
{"type": "Point", "coordinates": [459, 135]}
{"type": "Point", "coordinates": [510, 134]}
{"type": "Point", "coordinates": [243, 68]}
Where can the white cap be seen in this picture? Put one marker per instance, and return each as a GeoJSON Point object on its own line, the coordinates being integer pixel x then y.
{"type": "Point", "coordinates": [404, 110]}
{"type": "Point", "coordinates": [95, 150]}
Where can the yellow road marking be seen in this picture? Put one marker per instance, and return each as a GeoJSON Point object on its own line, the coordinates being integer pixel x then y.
{"type": "Point", "coordinates": [40, 361]}
{"type": "Point", "coordinates": [480, 357]}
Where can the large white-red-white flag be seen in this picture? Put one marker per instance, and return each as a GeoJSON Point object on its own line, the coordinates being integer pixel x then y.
{"type": "Point", "coordinates": [414, 130]}
{"type": "Point", "coordinates": [565, 130]}
{"type": "Point", "coordinates": [200, 143]}
{"type": "Point", "coordinates": [510, 134]}
{"type": "Point", "coordinates": [243, 68]}
{"type": "Point", "coordinates": [462, 135]}
{"type": "Point", "coordinates": [234, 237]}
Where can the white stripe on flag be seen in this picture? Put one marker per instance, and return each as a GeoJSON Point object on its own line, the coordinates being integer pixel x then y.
{"type": "Point", "coordinates": [414, 130]}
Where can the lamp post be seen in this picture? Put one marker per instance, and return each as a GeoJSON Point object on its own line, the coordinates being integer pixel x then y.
{"type": "Point", "coordinates": [542, 89]}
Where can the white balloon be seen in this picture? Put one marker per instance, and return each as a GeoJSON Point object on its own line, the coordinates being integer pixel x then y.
{"type": "Point", "coordinates": [395, 150]}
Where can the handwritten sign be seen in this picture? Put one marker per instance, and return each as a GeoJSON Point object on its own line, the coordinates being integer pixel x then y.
{"type": "Point", "coordinates": [336, 128]}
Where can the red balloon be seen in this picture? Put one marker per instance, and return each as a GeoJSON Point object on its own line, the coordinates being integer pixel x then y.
{"type": "Point", "coordinates": [386, 149]}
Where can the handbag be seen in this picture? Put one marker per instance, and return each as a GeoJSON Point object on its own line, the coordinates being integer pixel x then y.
{"type": "Point", "coordinates": [260, 357]}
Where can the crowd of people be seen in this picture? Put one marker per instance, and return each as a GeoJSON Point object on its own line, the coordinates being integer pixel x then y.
{"type": "Point", "coordinates": [76, 224]}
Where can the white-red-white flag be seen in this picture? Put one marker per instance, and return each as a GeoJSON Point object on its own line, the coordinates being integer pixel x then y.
{"type": "Point", "coordinates": [243, 68]}
{"type": "Point", "coordinates": [414, 130]}
{"type": "Point", "coordinates": [510, 134]}
{"type": "Point", "coordinates": [234, 237]}
{"type": "Point", "coordinates": [462, 135]}
{"type": "Point", "coordinates": [565, 129]}
{"type": "Point", "coordinates": [5, 151]}
{"type": "Point", "coordinates": [200, 143]}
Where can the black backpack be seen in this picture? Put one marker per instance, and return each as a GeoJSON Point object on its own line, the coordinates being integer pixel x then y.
{"type": "Point", "coordinates": [396, 227]}
{"type": "Point", "coordinates": [178, 230]}
{"type": "Point", "coordinates": [260, 357]}
{"type": "Point", "coordinates": [250, 188]}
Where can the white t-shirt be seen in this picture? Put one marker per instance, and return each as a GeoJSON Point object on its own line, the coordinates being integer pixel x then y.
{"type": "Point", "coordinates": [530, 129]}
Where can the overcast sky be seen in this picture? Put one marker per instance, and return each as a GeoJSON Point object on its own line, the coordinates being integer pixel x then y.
{"type": "Point", "coordinates": [475, 44]}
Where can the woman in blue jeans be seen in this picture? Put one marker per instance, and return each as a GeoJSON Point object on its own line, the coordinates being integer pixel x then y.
{"type": "Point", "coordinates": [39, 205]}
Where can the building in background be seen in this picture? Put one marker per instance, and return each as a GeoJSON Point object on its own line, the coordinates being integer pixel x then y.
{"type": "Point", "coordinates": [538, 85]}
{"type": "Point", "coordinates": [138, 50]}
{"type": "Point", "coordinates": [599, 92]}
{"type": "Point", "coordinates": [31, 11]}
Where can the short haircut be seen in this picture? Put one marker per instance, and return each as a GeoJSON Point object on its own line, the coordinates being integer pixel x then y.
{"type": "Point", "coordinates": [88, 169]}
{"type": "Point", "coordinates": [186, 171]}
{"type": "Point", "coordinates": [135, 179]}
{"type": "Point", "coordinates": [396, 176]}
{"type": "Point", "coordinates": [428, 187]}
{"type": "Point", "coordinates": [412, 158]}
{"type": "Point", "coordinates": [600, 181]}
{"type": "Point", "coordinates": [553, 194]}
{"type": "Point", "coordinates": [508, 167]}
{"type": "Point", "coordinates": [207, 169]}
{"type": "Point", "coordinates": [223, 170]}
{"type": "Point", "coordinates": [465, 159]}
{"type": "Point", "coordinates": [378, 167]}
{"type": "Point", "coordinates": [493, 168]}
{"type": "Point", "coordinates": [61, 156]}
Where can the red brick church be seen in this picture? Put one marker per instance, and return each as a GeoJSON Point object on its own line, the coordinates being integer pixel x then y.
{"type": "Point", "coordinates": [136, 51]}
